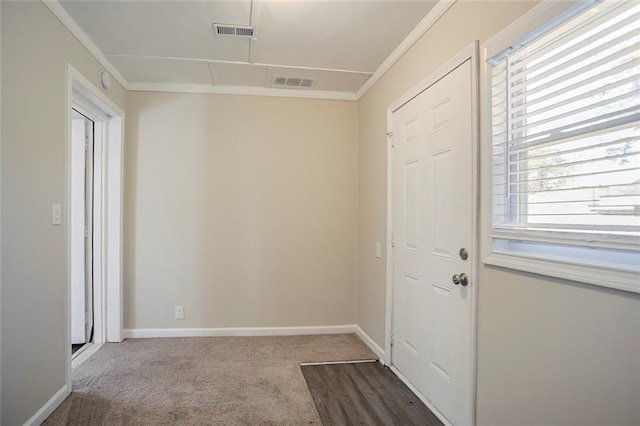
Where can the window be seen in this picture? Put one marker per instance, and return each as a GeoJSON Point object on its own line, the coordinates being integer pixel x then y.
{"type": "Point", "coordinates": [565, 146]}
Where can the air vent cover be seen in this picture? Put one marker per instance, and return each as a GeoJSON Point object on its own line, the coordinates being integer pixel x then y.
{"type": "Point", "coordinates": [292, 82]}
{"type": "Point", "coordinates": [232, 30]}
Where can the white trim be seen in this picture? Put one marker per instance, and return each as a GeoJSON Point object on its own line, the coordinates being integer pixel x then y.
{"type": "Point", "coordinates": [359, 361]}
{"type": "Point", "coordinates": [427, 22]}
{"type": "Point", "coordinates": [596, 275]}
{"type": "Point", "coordinates": [87, 353]}
{"type": "Point", "coordinates": [49, 406]}
{"type": "Point", "coordinates": [138, 333]}
{"type": "Point", "coordinates": [470, 53]}
{"type": "Point", "coordinates": [476, 207]}
{"type": "Point", "coordinates": [113, 170]}
{"type": "Point", "coordinates": [0, 206]}
{"type": "Point", "coordinates": [434, 77]}
{"type": "Point", "coordinates": [371, 343]}
{"type": "Point", "coordinates": [98, 270]}
{"type": "Point", "coordinates": [241, 90]}
{"type": "Point", "coordinates": [59, 12]}
{"type": "Point", "coordinates": [422, 398]}
{"type": "Point", "coordinates": [388, 323]}
{"type": "Point", "coordinates": [110, 322]}
{"type": "Point", "coordinates": [536, 18]}
{"type": "Point", "coordinates": [89, 90]}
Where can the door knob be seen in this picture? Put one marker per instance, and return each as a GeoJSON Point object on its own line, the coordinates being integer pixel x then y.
{"type": "Point", "coordinates": [461, 279]}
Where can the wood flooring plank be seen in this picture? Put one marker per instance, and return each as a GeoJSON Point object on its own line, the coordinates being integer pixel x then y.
{"type": "Point", "coordinates": [364, 394]}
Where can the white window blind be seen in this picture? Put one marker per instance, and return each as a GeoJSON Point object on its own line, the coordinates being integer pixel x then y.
{"type": "Point", "coordinates": [565, 120]}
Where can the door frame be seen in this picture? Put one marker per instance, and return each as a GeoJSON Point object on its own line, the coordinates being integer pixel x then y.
{"type": "Point", "coordinates": [109, 139]}
{"type": "Point", "coordinates": [470, 53]}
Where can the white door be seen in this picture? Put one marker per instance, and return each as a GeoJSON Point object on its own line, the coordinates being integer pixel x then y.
{"type": "Point", "coordinates": [432, 222]}
{"type": "Point", "coordinates": [88, 231]}
{"type": "Point", "coordinates": [81, 215]}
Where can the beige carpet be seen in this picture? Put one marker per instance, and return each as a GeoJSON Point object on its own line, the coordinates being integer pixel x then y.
{"type": "Point", "coordinates": [202, 381]}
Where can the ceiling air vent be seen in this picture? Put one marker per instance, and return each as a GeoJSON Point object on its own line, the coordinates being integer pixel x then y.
{"type": "Point", "coordinates": [232, 30]}
{"type": "Point", "coordinates": [292, 82]}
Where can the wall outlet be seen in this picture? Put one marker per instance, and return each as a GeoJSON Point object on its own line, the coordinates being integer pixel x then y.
{"type": "Point", "coordinates": [179, 311]}
{"type": "Point", "coordinates": [378, 250]}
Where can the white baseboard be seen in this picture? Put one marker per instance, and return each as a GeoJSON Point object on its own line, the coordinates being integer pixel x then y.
{"type": "Point", "coordinates": [46, 410]}
{"type": "Point", "coordinates": [371, 343]}
{"type": "Point", "coordinates": [135, 333]}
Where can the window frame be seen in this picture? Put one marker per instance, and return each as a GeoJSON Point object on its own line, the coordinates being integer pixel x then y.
{"type": "Point", "coordinates": [542, 18]}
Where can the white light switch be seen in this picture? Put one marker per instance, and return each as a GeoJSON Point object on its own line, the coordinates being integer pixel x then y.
{"type": "Point", "coordinates": [378, 250]}
{"type": "Point", "coordinates": [56, 214]}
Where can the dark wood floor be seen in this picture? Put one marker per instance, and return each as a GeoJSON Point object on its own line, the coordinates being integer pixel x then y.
{"type": "Point", "coordinates": [364, 394]}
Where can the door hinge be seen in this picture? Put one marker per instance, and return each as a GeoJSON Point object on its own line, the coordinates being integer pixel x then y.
{"type": "Point", "coordinates": [391, 139]}
{"type": "Point", "coordinates": [393, 240]}
{"type": "Point", "coordinates": [86, 231]}
{"type": "Point", "coordinates": [86, 143]}
{"type": "Point", "coordinates": [391, 338]}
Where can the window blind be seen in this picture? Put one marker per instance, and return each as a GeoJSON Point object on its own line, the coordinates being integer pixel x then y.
{"type": "Point", "coordinates": [565, 123]}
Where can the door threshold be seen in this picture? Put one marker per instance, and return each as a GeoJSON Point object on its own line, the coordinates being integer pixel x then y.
{"type": "Point", "coordinates": [83, 354]}
{"type": "Point", "coordinates": [358, 361]}
{"type": "Point", "coordinates": [82, 349]}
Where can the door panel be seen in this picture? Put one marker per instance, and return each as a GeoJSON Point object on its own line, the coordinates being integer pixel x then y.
{"type": "Point", "coordinates": [88, 214]}
{"type": "Point", "coordinates": [81, 228]}
{"type": "Point", "coordinates": [410, 211]}
{"type": "Point", "coordinates": [77, 218]}
{"type": "Point", "coordinates": [433, 220]}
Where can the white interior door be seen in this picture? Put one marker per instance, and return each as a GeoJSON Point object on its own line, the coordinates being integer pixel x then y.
{"type": "Point", "coordinates": [432, 222]}
{"type": "Point", "coordinates": [81, 226]}
{"type": "Point", "coordinates": [88, 228]}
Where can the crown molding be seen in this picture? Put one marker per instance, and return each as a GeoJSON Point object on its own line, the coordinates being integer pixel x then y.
{"type": "Point", "coordinates": [423, 26]}
{"type": "Point", "coordinates": [59, 12]}
{"type": "Point", "coordinates": [427, 22]}
{"type": "Point", "coordinates": [241, 90]}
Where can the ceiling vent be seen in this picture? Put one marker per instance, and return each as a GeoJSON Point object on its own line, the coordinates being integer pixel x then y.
{"type": "Point", "coordinates": [292, 82]}
{"type": "Point", "coordinates": [232, 30]}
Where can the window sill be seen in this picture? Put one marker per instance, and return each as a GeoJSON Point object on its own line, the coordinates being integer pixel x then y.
{"type": "Point", "coordinates": [596, 275]}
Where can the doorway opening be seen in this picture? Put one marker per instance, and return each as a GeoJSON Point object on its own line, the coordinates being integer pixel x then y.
{"type": "Point", "coordinates": [93, 221]}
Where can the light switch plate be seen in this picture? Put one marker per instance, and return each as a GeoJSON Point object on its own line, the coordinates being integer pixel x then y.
{"type": "Point", "coordinates": [378, 250]}
{"type": "Point", "coordinates": [56, 214]}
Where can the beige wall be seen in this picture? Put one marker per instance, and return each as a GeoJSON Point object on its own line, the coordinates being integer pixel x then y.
{"type": "Point", "coordinates": [549, 352]}
{"type": "Point", "coordinates": [242, 209]}
{"type": "Point", "coordinates": [272, 224]}
{"type": "Point", "coordinates": [35, 50]}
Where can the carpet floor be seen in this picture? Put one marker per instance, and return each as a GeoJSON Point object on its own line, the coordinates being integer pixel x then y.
{"type": "Point", "coordinates": [202, 381]}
